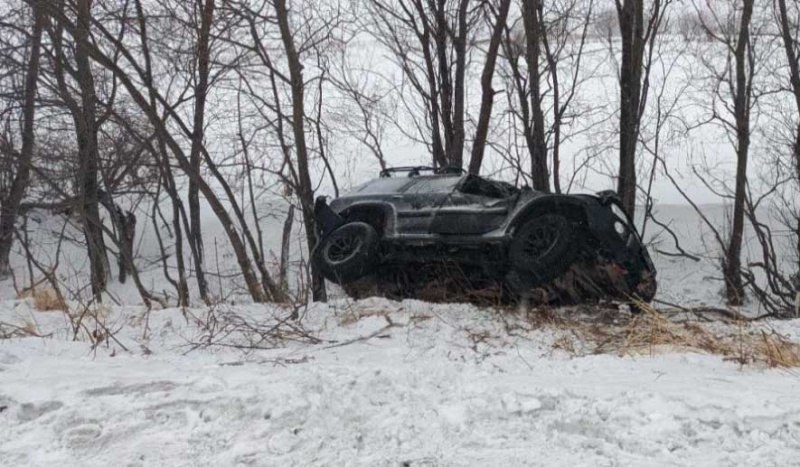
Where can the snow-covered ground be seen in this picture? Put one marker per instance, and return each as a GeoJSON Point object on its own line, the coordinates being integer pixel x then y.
{"type": "Point", "coordinates": [386, 383]}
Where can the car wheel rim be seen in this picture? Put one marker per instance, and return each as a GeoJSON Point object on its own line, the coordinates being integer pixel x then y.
{"type": "Point", "coordinates": [343, 248]}
{"type": "Point", "coordinates": [541, 239]}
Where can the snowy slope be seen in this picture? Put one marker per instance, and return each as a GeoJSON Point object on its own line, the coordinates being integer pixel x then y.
{"type": "Point", "coordinates": [388, 384]}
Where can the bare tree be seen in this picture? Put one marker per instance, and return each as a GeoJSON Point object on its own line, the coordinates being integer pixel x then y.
{"type": "Point", "coordinates": [570, 26]}
{"type": "Point", "coordinates": [789, 36]}
{"type": "Point", "coordinates": [202, 59]}
{"type": "Point", "coordinates": [22, 160]}
{"type": "Point", "coordinates": [83, 109]}
{"type": "Point", "coordinates": [487, 92]}
{"type": "Point", "coordinates": [636, 39]}
{"type": "Point", "coordinates": [733, 86]}
{"type": "Point", "coordinates": [180, 223]}
{"type": "Point", "coordinates": [534, 32]}
{"type": "Point", "coordinates": [287, 61]}
{"type": "Point", "coordinates": [306, 191]}
{"type": "Point", "coordinates": [165, 118]}
{"type": "Point", "coordinates": [779, 265]}
{"type": "Point", "coordinates": [553, 42]}
{"type": "Point", "coordinates": [430, 41]}
{"type": "Point", "coordinates": [742, 104]}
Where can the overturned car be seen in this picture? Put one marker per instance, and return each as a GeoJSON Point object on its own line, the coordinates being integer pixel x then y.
{"type": "Point", "coordinates": [435, 233]}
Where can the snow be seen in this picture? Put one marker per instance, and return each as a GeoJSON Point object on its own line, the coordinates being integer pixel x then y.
{"type": "Point", "coordinates": [387, 383]}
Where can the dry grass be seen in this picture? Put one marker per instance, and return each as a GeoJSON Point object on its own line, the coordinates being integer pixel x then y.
{"type": "Point", "coordinates": [777, 351]}
{"type": "Point", "coordinates": [44, 299]}
{"type": "Point", "coordinates": [652, 332]}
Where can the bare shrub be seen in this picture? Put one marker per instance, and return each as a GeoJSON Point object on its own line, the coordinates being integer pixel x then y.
{"type": "Point", "coordinates": [225, 327]}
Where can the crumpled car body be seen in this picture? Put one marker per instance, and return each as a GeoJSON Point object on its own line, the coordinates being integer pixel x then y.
{"type": "Point", "coordinates": [560, 248]}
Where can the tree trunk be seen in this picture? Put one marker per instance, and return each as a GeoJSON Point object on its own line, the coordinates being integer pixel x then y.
{"type": "Point", "coordinates": [460, 47]}
{"type": "Point", "coordinates": [125, 229]}
{"type": "Point", "coordinates": [200, 96]}
{"type": "Point", "coordinates": [487, 93]}
{"type": "Point", "coordinates": [440, 33]}
{"type": "Point", "coordinates": [177, 214]}
{"type": "Point", "coordinates": [789, 49]}
{"type": "Point", "coordinates": [734, 289]}
{"type": "Point", "coordinates": [794, 78]}
{"type": "Point", "coordinates": [305, 190]}
{"type": "Point", "coordinates": [86, 129]}
{"type": "Point", "coordinates": [9, 208]}
{"type": "Point", "coordinates": [286, 238]}
{"type": "Point", "coordinates": [631, 19]}
{"type": "Point", "coordinates": [537, 145]}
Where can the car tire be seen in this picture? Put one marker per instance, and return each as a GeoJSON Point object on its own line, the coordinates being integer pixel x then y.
{"type": "Point", "coordinates": [543, 248]}
{"type": "Point", "coordinates": [348, 253]}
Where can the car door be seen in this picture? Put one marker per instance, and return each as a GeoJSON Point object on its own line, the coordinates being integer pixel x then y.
{"type": "Point", "coordinates": [420, 202]}
{"type": "Point", "coordinates": [475, 206]}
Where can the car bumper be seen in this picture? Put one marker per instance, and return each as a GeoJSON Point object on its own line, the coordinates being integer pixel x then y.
{"type": "Point", "coordinates": [326, 218]}
{"type": "Point", "coordinates": [619, 246]}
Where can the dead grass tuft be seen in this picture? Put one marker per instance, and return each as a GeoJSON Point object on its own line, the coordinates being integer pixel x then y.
{"type": "Point", "coordinates": [777, 351]}
{"type": "Point", "coordinates": [651, 332]}
{"type": "Point", "coordinates": [44, 299]}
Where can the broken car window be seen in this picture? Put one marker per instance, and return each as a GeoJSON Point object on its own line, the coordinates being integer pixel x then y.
{"type": "Point", "coordinates": [474, 185]}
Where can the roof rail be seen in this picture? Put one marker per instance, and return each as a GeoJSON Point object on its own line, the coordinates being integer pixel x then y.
{"type": "Point", "coordinates": [414, 171]}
